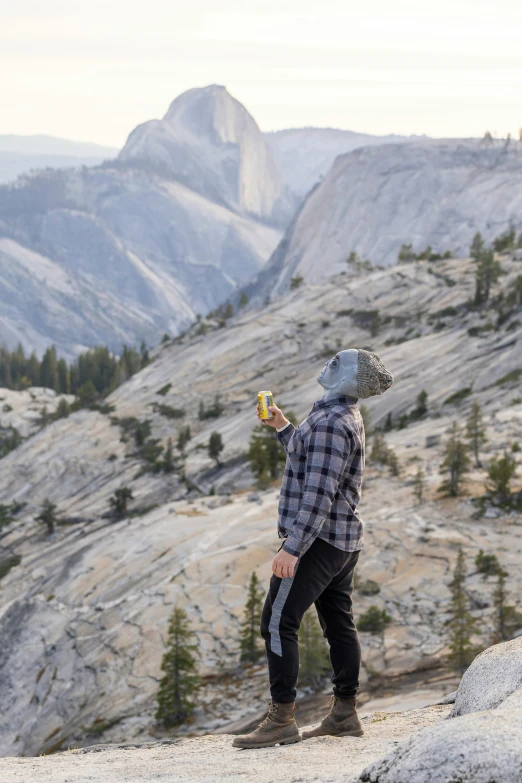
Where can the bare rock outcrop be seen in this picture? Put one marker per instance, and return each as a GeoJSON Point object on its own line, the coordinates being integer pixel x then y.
{"type": "Point", "coordinates": [494, 675]}
{"type": "Point", "coordinates": [374, 199]}
{"type": "Point", "coordinates": [477, 748]}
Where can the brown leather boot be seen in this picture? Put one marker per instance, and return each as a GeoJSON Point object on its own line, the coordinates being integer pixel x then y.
{"type": "Point", "coordinates": [279, 726]}
{"type": "Point", "coordinates": [341, 721]}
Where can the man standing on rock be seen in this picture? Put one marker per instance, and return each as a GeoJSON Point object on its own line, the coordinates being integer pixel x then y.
{"type": "Point", "coordinates": [323, 534]}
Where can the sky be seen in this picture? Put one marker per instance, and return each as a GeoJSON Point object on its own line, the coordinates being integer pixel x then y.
{"type": "Point", "coordinates": [92, 70]}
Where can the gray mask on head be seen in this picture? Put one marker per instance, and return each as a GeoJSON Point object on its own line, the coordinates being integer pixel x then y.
{"type": "Point", "coordinates": [355, 373]}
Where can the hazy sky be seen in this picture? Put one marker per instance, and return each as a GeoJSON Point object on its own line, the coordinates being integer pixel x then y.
{"type": "Point", "coordinates": [93, 69]}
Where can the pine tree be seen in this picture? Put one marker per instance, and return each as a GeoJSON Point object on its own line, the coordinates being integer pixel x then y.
{"type": "Point", "coordinates": [393, 463]}
{"type": "Point", "coordinates": [421, 407]}
{"type": "Point", "coordinates": [87, 394]}
{"type": "Point", "coordinates": [380, 450]}
{"type": "Point", "coordinates": [47, 515]}
{"type": "Point", "coordinates": [487, 270]}
{"type": "Point", "coordinates": [250, 644]}
{"type": "Point", "coordinates": [462, 623]}
{"type": "Point", "coordinates": [181, 679]}
{"type": "Point", "coordinates": [314, 659]}
{"type": "Point", "coordinates": [487, 565]}
{"type": "Point", "coordinates": [500, 633]}
{"type": "Point", "coordinates": [507, 619]}
{"type": "Point", "coordinates": [475, 431]}
{"type": "Point", "coordinates": [243, 300]}
{"type": "Point", "coordinates": [418, 484]}
{"type": "Point", "coordinates": [184, 436]}
{"type": "Point", "coordinates": [168, 460]}
{"type": "Point", "coordinates": [455, 463]}
{"type": "Point", "coordinates": [119, 500]}
{"type": "Point", "coordinates": [267, 457]}
{"type": "Point", "coordinates": [477, 247]}
{"type": "Point", "coordinates": [62, 410]}
{"type": "Point", "coordinates": [215, 446]}
{"type": "Point", "coordinates": [500, 473]}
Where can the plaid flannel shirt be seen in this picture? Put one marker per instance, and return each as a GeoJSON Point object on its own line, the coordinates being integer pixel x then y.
{"type": "Point", "coordinates": [322, 478]}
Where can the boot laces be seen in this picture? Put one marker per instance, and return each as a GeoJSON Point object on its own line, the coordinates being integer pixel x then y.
{"type": "Point", "coordinates": [272, 709]}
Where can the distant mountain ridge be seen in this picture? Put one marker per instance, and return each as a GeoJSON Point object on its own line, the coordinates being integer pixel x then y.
{"type": "Point", "coordinates": [140, 245]}
{"type": "Point", "coordinates": [20, 154]}
{"type": "Point", "coordinates": [304, 155]}
{"type": "Point", "coordinates": [208, 139]}
{"type": "Point", "coordinates": [376, 198]}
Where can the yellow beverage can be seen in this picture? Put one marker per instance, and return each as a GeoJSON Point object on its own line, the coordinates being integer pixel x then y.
{"type": "Point", "coordinates": [264, 399]}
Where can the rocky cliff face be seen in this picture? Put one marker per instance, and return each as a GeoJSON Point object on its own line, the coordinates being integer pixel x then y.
{"type": "Point", "coordinates": [305, 155]}
{"type": "Point", "coordinates": [83, 615]}
{"type": "Point", "coordinates": [137, 247]}
{"type": "Point", "coordinates": [375, 199]}
{"type": "Point", "coordinates": [209, 141]}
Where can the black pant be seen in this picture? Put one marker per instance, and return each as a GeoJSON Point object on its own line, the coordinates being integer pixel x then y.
{"type": "Point", "coordinates": [324, 576]}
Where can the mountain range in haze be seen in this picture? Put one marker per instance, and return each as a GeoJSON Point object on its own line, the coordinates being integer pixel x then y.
{"type": "Point", "coordinates": [20, 154]}
{"type": "Point", "coordinates": [201, 205]}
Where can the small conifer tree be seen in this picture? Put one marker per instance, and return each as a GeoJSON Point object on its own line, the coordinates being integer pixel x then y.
{"type": "Point", "coordinates": [421, 407]}
{"type": "Point", "coordinates": [267, 458]}
{"type": "Point", "coordinates": [47, 515]}
{"type": "Point", "coordinates": [506, 619]}
{"type": "Point", "coordinates": [393, 463]}
{"type": "Point", "coordinates": [314, 660]}
{"type": "Point", "coordinates": [462, 623]}
{"type": "Point", "coordinates": [380, 450]}
{"type": "Point", "coordinates": [418, 484]}
{"type": "Point", "coordinates": [250, 638]}
{"type": "Point", "coordinates": [455, 463]}
{"type": "Point", "coordinates": [180, 680]}
{"type": "Point", "coordinates": [215, 446]}
{"type": "Point", "coordinates": [168, 460]}
{"type": "Point", "coordinates": [475, 431]}
{"type": "Point", "coordinates": [119, 500]}
{"type": "Point", "coordinates": [487, 565]}
{"type": "Point", "coordinates": [184, 436]}
{"type": "Point", "coordinates": [500, 473]}
{"type": "Point", "coordinates": [62, 410]}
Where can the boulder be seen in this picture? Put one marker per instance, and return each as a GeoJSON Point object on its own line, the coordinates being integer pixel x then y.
{"type": "Point", "coordinates": [492, 677]}
{"type": "Point", "coordinates": [484, 747]}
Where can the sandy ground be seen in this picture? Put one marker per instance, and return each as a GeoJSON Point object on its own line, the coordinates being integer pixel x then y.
{"type": "Point", "coordinates": [209, 759]}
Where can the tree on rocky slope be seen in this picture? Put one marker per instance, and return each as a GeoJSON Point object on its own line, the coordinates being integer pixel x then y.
{"type": "Point", "coordinates": [180, 680]}
{"type": "Point", "coordinates": [314, 660]}
{"type": "Point", "coordinates": [48, 515]}
{"type": "Point", "coordinates": [119, 500]}
{"type": "Point", "coordinates": [215, 446]}
{"type": "Point", "coordinates": [462, 623]}
{"type": "Point", "coordinates": [169, 463]}
{"type": "Point", "coordinates": [487, 270]}
{"type": "Point", "coordinates": [184, 435]}
{"type": "Point", "coordinates": [455, 463]}
{"type": "Point", "coordinates": [500, 472]}
{"type": "Point", "coordinates": [267, 457]}
{"type": "Point", "coordinates": [475, 431]}
{"type": "Point", "coordinates": [250, 640]}
{"type": "Point", "coordinates": [418, 484]}
{"type": "Point", "coordinates": [506, 619]}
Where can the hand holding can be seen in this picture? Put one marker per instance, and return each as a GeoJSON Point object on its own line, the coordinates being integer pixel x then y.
{"type": "Point", "coordinates": [277, 418]}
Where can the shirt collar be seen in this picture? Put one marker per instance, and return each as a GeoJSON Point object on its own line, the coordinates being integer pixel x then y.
{"type": "Point", "coordinates": [341, 399]}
